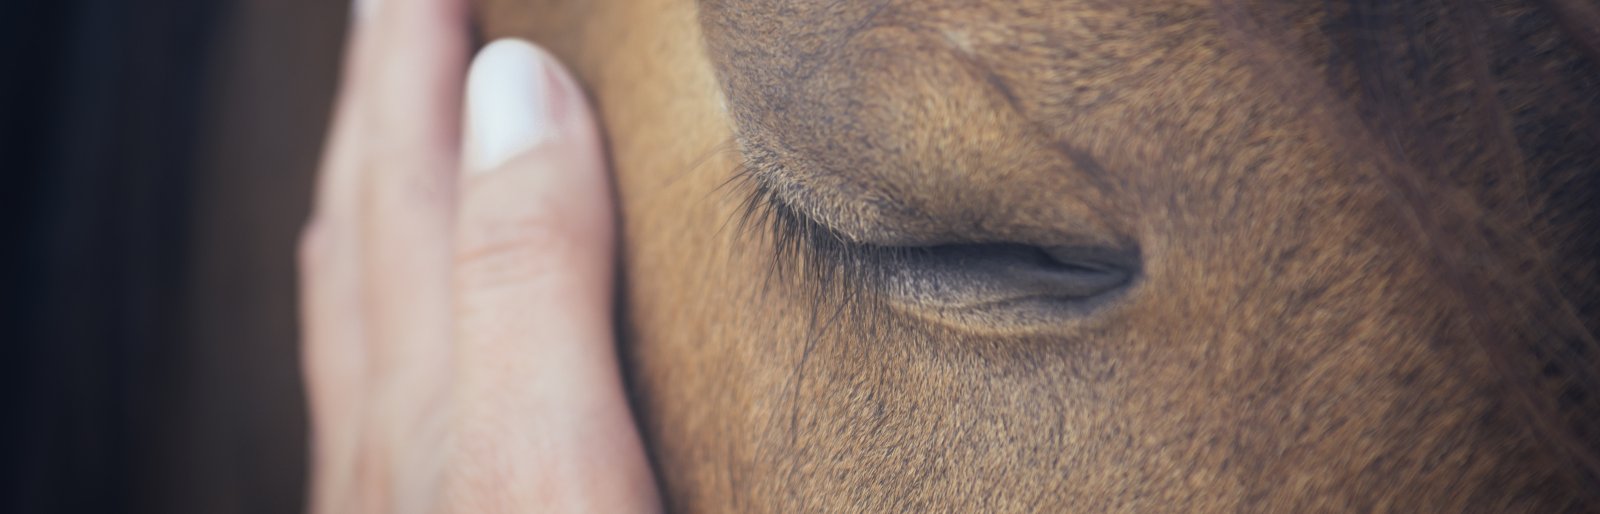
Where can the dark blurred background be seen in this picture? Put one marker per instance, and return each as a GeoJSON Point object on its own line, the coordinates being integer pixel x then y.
{"type": "Point", "coordinates": [158, 158]}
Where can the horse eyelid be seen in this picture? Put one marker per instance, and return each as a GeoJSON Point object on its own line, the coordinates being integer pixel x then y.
{"type": "Point", "coordinates": [802, 250]}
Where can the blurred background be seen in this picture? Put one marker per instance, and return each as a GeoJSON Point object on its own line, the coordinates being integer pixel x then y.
{"type": "Point", "coordinates": [159, 155]}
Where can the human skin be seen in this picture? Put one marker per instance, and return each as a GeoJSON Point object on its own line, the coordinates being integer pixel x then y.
{"type": "Point", "coordinates": [456, 284]}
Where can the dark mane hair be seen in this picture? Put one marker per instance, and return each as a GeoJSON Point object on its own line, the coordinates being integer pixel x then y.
{"type": "Point", "coordinates": [1492, 110]}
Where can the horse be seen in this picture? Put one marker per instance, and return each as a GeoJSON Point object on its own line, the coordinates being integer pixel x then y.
{"type": "Point", "coordinates": [1094, 256]}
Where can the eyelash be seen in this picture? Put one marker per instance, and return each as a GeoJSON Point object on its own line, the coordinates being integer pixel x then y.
{"type": "Point", "coordinates": [828, 271]}
{"type": "Point", "coordinates": [804, 251]}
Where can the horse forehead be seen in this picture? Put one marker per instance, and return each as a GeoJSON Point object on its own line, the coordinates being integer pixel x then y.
{"type": "Point", "coordinates": [844, 85]}
{"type": "Point", "coordinates": [781, 62]}
{"type": "Point", "coordinates": [777, 42]}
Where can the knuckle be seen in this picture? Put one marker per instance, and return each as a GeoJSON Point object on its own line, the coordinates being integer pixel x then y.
{"type": "Point", "coordinates": [520, 249]}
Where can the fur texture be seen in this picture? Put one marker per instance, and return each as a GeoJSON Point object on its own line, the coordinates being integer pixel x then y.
{"type": "Point", "coordinates": [1365, 230]}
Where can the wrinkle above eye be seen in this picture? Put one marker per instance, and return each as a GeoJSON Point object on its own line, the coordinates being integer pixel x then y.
{"type": "Point", "coordinates": [839, 204]}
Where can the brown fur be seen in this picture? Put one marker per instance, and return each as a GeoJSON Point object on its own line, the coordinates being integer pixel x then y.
{"type": "Point", "coordinates": [1366, 236]}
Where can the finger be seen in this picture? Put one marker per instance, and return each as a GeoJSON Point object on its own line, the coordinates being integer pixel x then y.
{"type": "Point", "coordinates": [414, 55]}
{"type": "Point", "coordinates": [330, 272]}
{"type": "Point", "coordinates": [333, 357]}
{"type": "Point", "coordinates": [329, 257]}
{"type": "Point", "coordinates": [543, 419]}
{"type": "Point", "coordinates": [414, 58]}
{"type": "Point", "coordinates": [332, 352]}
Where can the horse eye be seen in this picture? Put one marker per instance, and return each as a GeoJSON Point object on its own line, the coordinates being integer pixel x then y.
{"type": "Point", "coordinates": [1012, 281]}
{"type": "Point", "coordinates": [958, 275]}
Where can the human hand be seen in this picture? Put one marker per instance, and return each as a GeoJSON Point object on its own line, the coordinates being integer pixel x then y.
{"type": "Point", "coordinates": [456, 291]}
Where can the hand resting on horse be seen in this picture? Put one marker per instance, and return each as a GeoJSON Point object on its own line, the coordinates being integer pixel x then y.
{"type": "Point", "coordinates": [457, 283]}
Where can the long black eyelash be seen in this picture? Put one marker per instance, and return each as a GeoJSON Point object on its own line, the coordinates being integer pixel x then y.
{"type": "Point", "coordinates": [826, 263]}
{"type": "Point", "coordinates": [830, 272]}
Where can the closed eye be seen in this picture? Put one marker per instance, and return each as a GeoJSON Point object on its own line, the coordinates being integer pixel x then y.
{"type": "Point", "coordinates": [1006, 282]}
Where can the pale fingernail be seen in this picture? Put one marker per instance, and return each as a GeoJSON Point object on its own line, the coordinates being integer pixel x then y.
{"type": "Point", "coordinates": [510, 103]}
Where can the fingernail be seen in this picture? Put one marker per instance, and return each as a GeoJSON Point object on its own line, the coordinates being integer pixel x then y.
{"type": "Point", "coordinates": [510, 103]}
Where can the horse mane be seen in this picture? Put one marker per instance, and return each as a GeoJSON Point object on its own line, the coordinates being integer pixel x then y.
{"type": "Point", "coordinates": [1492, 108]}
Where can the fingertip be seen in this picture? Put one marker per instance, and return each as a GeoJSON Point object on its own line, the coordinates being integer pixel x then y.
{"type": "Point", "coordinates": [535, 192]}
{"type": "Point", "coordinates": [518, 97]}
